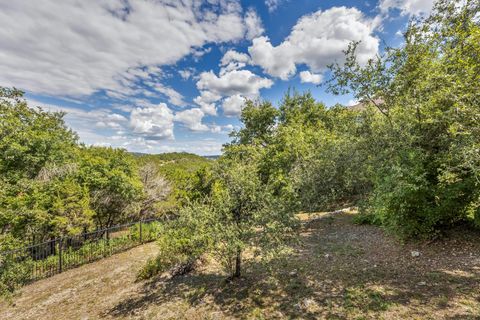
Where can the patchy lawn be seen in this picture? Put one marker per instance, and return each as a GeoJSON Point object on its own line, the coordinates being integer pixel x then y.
{"type": "Point", "coordinates": [338, 270]}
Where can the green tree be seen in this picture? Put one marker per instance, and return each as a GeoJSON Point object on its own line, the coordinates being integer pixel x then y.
{"type": "Point", "coordinates": [31, 138]}
{"type": "Point", "coordinates": [35, 148]}
{"type": "Point", "coordinates": [188, 177]}
{"type": "Point", "coordinates": [247, 215]}
{"type": "Point", "coordinates": [230, 210]}
{"type": "Point", "coordinates": [424, 140]}
{"type": "Point", "coordinates": [112, 179]}
{"type": "Point", "coordinates": [259, 121]}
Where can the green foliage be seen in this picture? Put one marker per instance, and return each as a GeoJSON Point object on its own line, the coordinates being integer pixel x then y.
{"type": "Point", "coordinates": [181, 242]}
{"type": "Point", "coordinates": [259, 122]}
{"type": "Point", "coordinates": [410, 156]}
{"type": "Point", "coordinates": [31, 139]}
{"type": "Point", "coordinates": [52, 186]}
{"type": "Point", "coordinates": [187, 174]}
{"type": "Point", "coordinates": [424, 140]}
{"type": "Point", "coordinates": [112, 179]}
{"type": "Point", "coordinates": [311, 157]}
{"type": "Point", "coordinates": [248, 215]}
{"type": "Point", "coordinates": [234, 212]}
{"type": "Point", "coordinates": [150, 231]}
{"type": "Point", "coordinates": [12, 274]}
{"type": "Point", "coordinates": [36, 150]}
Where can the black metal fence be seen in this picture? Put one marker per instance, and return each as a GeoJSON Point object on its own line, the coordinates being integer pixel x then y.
{"type": "Point", "coordinates": [48, 258]}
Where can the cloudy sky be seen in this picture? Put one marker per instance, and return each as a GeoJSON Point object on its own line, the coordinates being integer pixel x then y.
{"type": "Point", "coordinates": [171, 75]}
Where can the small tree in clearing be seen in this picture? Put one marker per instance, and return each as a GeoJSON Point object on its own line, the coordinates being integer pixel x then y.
{"type": "Point", "coordinates": [238, 214]}
{"type": "Point", "coordinates": [246, 213]}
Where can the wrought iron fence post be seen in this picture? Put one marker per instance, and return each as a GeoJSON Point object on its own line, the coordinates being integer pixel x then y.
{"type": "Point", "coordinates": [106, 241]}
{"type": "Point", "coordinates": [141, 239]}
{"type": "Point", "coordinates": [60, 256]}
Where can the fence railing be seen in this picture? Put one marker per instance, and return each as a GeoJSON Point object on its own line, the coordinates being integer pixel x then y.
{"type": "Point", "coordinates": [48, 258]}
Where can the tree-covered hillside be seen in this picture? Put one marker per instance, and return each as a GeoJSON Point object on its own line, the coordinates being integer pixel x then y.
{"type": "Point", "coordinates": [52, 185]}
{"type": "Point", "coordinates": [181, 171]}
{"type": "Point", "coordinates": [173, 162]}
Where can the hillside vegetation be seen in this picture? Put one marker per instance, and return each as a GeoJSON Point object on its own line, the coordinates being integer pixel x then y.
{"type": "Point", "coordinates": [181, 170]}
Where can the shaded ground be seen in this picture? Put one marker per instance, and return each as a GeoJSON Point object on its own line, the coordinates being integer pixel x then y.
{"type": "Point", "coordinates": [338, 271]}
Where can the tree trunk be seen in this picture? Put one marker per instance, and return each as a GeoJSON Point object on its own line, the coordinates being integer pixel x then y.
{"type": "Point", "coordinates": [238, 264]}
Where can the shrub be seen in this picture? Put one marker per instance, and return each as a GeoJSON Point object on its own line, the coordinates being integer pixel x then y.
{"type": "Point", "coordinates": [15, 268]}
{"type": "Point", "coordinates": [181, 243]}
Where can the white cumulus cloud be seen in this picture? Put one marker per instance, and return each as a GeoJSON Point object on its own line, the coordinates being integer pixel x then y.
{"type": "Point", "coordinates": [317, 40]}
{"type": "Point", "coordinates": [150, 129]}
{"type": "Point", "coordinates": [153, 123]}
{"type": "Point", "coordinates": [233, 60]}
{"type": "Point", "coordinates": [192, 119]}
{"type": "Point", "coordinates": [234, 56]}
{"type": "Point", "coordinates": [308, 77]}
{"type": "Point", "coordinates": [407, 7]}
{"type": "Point", "coordinates": [232, 85]}
{"type": "Point", "coordinates": [253, 24]}
{"type": "Point", "coordinates": [174, 97]}
{"type": "Point", "coordinates": [206, 100]}
{"type": "Point", "coordinates": [242, 82]}
{"type": "Point", "coordinates": [232, 106]}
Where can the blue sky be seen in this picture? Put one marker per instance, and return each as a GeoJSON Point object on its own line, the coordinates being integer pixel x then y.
{"type": "Point", "coordinates": [167, 75]}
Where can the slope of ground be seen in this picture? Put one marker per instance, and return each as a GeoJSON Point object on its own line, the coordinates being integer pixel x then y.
{"type": "Point", "coordinates": [337, 271]}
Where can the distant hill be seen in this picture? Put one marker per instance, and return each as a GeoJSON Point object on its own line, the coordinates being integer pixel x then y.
{"type": "Point", "coordinates": [172, 156]}
{"type": "Point", "coordinates": [212, 157]}
{"type": "Point", "coordinates": [169, 156]}
{"type": "Point", "coordinates": [176, 165]}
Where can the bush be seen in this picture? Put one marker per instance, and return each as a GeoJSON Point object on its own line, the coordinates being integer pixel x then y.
{"type": "Point", "coordinates": [12, 273]}
{"type": "Point", "coordinates": [181, 243]}
{"type": "Point", "coordinates": [150, 231]}
{"type": "Point", "coordinates": [423, 143]}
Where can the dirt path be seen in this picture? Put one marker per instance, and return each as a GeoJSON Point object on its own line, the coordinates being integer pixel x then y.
{"type": "Point", "coordinates": [80, 293]}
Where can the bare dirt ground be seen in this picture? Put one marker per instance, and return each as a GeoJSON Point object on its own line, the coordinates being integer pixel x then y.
{"type": "Point", "coordinates": [338, 270]}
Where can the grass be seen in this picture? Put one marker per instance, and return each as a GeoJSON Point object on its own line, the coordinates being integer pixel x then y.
{"type": "Point", "coordinates": [366, 275]}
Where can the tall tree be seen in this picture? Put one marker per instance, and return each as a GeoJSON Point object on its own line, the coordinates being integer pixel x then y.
{"type": "Point", "coordinates": [424, 139]}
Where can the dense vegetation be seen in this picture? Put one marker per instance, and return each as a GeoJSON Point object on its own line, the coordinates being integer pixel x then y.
{"type": "Point", "coordinates": [423, 141]}
{"type": "Point", "coordinates": [54, 186]}
{"type": "Point", "coordinates": [181, 172]}
{"type": "Point", "coordinates": [51, 185]}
